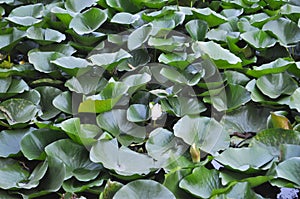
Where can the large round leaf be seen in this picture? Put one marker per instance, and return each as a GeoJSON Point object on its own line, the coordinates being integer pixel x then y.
{"type": "Point", "coordinates": [205, 132]}
{"type": "Point", "coordinates": [77, 6]}
{"type": "Point", "coordinates": [274, 85]}
{"type": "Point", "coordinates": [10, 141]}
{"type": "Point", "coordinates": [122, 160]}
{"type": "Point", "coordinates": [45, 36]}
{"type": "Point", "coordinates": [26, 15]}
{"type": "Point", "coordinates": [76, 159]}
{"type": "Point", "coordinates": [147, 189]}
{"type": "Point", "coordinates": [12, 172]}
{"type": "Point", "coordinates": [116, 123]}
{"type": "Point", "coordinates": [258, 39]}
{"type": "Point", "coordinates": [201, 182]}
{"type": "Point", "coordinates": [63, 102]}
{"type": "Point", "coordinates": [18, 111]}
{"type": "Point", "coordinates": [42, 60]}
{"type": "Point", "coordinates": [33, 143]}
{"type": "Point", "coordinates": [289, 170]}
{"type": "Point", "coordinates": [47, 96]}
{"type": "Point", "coordinates": [197, 29]}
{"type": "Point", "coordinates": [88, 21]}
{"type": "Point", "coordinates": [139, 36]}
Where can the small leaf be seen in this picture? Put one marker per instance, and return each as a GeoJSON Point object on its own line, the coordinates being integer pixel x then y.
{"type": "Point", "coordinates": [197, 29]}
{"type": "Point", "coordinates": [280, 121]}
{"type": "Point", "coordinates": [139, 36]}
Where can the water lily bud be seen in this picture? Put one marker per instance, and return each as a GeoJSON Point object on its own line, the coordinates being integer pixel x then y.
{"type": "Point", "coordinates": [195, 153]}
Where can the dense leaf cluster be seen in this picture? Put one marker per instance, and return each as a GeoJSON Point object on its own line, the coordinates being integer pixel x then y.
{"type": "Point", "coordinates": [149, 98]}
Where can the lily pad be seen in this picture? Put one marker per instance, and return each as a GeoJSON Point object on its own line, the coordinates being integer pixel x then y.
{"type": "Point", "coordinates": [44, 36]}
{"type": "Point", "coordinates": [205, 132]}
{"type": "Point", "coordinates": [289, 170]}
{"type": "Point", "coordinates": [88, 21]}
{"type": "Point", "coordinates": [122, 160]}
{"type": "Point", "coordinates": [76, 159]}
{"type": "Point", "coordinates": [147, 189]}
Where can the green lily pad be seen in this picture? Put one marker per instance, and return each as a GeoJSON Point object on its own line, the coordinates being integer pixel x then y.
{"type": "Point", "coordinates": [222, 57]}
{"type": "Point", "coordinates": [199, 130]}
{"type": "Point", "coordinates": [116, 123]}
{"type": "Point", "coordinates": [12, 172]}
{"type": "Point", "coordinates": [124, 18]}
{"type": "Point", "coordinates": [77, 6]}
{"type": "Point", "coordinates": [76, 159]}
{"type": "Point", "coordinates": [147, 189]}
{"type": "Point", "coordinates": [10, 87]}
{"type": "Point", "coordinates": [280, 27]}
{"type": "Point", "coordinates": [138, 113]}
{"type": "Point", "coordinates": [197, 29]}
{"type": "Point", "coordinates": [105, 100]}
{"type": "Point", "coordinates": [271, 139]}
{"type": "Point", "coordinates": [275, 85]}
{"type": "Point", "coordinates": [10, 37]}
{"type": "Point", "coordinates": [73, 186]}
{"type": "Point", "coordinates": [18, 111]}
{"type": "Point", "coordinates": [26, 15]}
{"type": "Point", "coordinates": [211, 17]}
{"type": "Point", "coordinates": [88, 21]}
{"type": "Point", "coordinates": [71, 64]}
{"type": "Point", "coordinates": [181, 106]}
{"type": "Point", "coordinates": [63, 102]}
{"type": "Point", "coordinates": [235, 158]}
{"type": "Point", "coordinates": [244, 119]}
{"type": "Point", "coordinates": [289, 170]}
{"type": "Point", "coordinates": [139, 36]}
{"type": "Point", "coordinates": [201, 182]}
{"type": "Point", "coordinates": [42, 60]}
{"type": "Point", "coordinates": [48, 94]}
{"type": "Point", "coordinates": [33, 143]}
{"type": "Point", "coordinates": [259, 39]}
{"type": "Point", "coordinates": [122, 160]}
{"type": "Point", "coordinates": [44, 36]}
{"type": "Point", "coordinates": [10, 141]}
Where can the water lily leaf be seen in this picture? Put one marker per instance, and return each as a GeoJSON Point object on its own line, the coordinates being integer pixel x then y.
{"type": "Point", "coordinates": [236, 159]}
{"type": "Point", "coordinates": [74, 186]}
{"type": "Point", "coordinates": [172, 180]}
{"type": "Point", "coordinates": [124, 18]}
{"type": "Point", "coordinates": [289, 170]}
{"type": "Point", "coordinates": [116, 123]}
{"type": "Point", "coordinates": [12, 172]}
{"type": "Point", "coordinates": [242, 189]}
{"type": "Point", "coordinates": [63, 102]}
{"type": "Point", "coordinates": [139, 36]}
{"type": "Point", "coordinates": [81, 133]}
{"type": "Point", "coordinates": [288, 151]}
{"type": "Point", "coordinates": [44, 36]}
{"type": "Point", "coordinates": [86, 84]}
{"type": "Point", "coordinates": [88, 21]}
{"type": "Point", "coordinates": [135, 81]}
{"type": "Point", "coordinates": [10, 141]}
{"type": "Point", "coordinates": [105, 100]}
{"type": "Point", "coordinates": [122, 160]}
{"type": "Point", "coordinates": [77, 6]}
{"type": "Point", "coordinates": [234, 97]}
{"type": "Point", "coordinates": [211, 17]}
{"type": "Point", "coordinates": [26, 15]}
{"type": "Point", "coordinates": [178, 60]}
{"type": "Point", "coordinates": [10, 87]}
{"type": "Point", "coordinates": [48, 94]}
{"type": "Point", "coordinates": [244, 119]}
{"type": "Point", "coordinates": [138, 113]}
{"type": "Point", "coordinates": [164, 147]}
{"type": "Point", "coordinates": [76, 159]}
{"type": "Point", "coordinates": [278, 66]}
{"type": "Point", "coordinates": [31, 95]}
{"type": "Point", "coordinates": [18, 111]}
{"type": "Point", "coordinates": [197, 29]}
{"type": "Point", "coordinates": [42, 60]}
{"type": "Point", "coordinates": [9, 38]}
{"type": "Point", "coordinates": [109, 60]}
{"type": "Point", "coordinates": [271, 139]}
{"type": "Point", "coordinates": [34, 142]}
{"type": "Point", "coordinates": [201, 182]}
{"type": "Point", "coordinates": [219, 54]}
{"type": "Point", "coordinates": [34, 179]}
{"type": "Point", "coordinates": [71, 64]}
{"type": "Point", "coordinates": [274, 85]}
{"type": "Point", "coordinates": [199, 130]}
{"type": "Point", "coordinates": [123, 5]}
{"type": "Point", "coordinates": [280, 27]}
{"type": "Point", "coordinates": [234, 77]}
{"type": "Point", "coordinates": [181, 106]}
{"type": "Point", "coordinates": [258, 39]}
{"type": "Point", "coordinates": [182, 77]}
